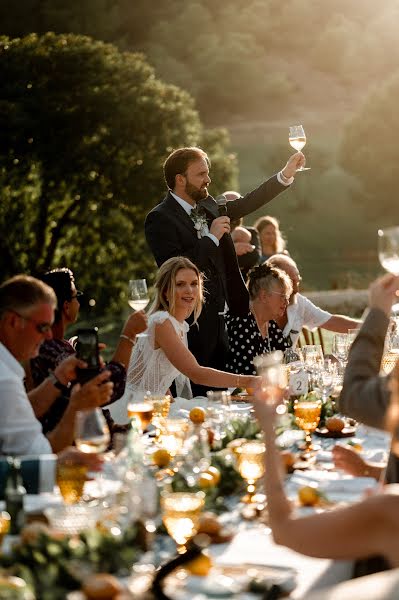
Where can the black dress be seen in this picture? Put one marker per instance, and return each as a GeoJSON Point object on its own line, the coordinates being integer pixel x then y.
{"type": "Point", "coordinates": [246, 342]}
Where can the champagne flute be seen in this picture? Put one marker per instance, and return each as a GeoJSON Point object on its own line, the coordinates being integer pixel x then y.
{"type": "Point", "coordinates": [388, 253]}
{"type": "Point", "coordinates": [251, 466]}
{"type": "Point", "coordinates": [181, 513]}
{"type": "Point", "coordinates": [138, 297]}
{"type": "Point", "coordinates": [297, 140]}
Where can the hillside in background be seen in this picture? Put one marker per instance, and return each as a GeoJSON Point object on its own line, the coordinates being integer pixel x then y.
{"type": "Point", "coordinates": [255, 67]}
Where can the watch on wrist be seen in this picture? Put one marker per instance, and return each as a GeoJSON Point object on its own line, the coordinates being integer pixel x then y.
{"type": "Point", "coordinates": [56, 382]}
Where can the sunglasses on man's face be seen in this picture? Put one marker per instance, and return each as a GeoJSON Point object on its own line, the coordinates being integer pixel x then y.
{"type": "Point", "coordinates": [40, 327]}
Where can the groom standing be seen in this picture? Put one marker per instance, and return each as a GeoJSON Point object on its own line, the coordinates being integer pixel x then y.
{"type": "Point", "coordinates": [187, 223]}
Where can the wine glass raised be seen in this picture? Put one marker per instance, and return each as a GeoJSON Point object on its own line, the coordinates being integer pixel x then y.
{"type": "Point", "coordinates": [297, 139]}
{"type": "Point", "coordinates": [138, 297]}
{"type": "Point", "coordinates": [274, 377]}
{"type": "Point", "coordinates": [388, 253]}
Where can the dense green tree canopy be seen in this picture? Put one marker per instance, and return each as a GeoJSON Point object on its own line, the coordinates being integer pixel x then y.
{"type": "Point", "coordinates": [85, 130]}
{"type": "Point", "coordinates": [369, 153]}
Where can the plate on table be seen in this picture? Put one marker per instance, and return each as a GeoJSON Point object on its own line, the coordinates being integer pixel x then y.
{"type": "Point", "coordinates": [347, 431]}
{"type": "Point", "coordinates": [233, 581]}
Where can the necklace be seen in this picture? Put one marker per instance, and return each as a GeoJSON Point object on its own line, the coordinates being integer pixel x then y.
{"type": "Point", "coordinates": [263, 329]}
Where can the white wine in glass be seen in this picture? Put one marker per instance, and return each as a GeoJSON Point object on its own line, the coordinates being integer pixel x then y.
{"type": "Point", "coordinates": [388, 252]}
{"type": "Point", "coordinates": [297, 140]}
{"type": "Point", "coordinates": [91, 431]}
{"type": "Point", "coordinates": [138, 297]}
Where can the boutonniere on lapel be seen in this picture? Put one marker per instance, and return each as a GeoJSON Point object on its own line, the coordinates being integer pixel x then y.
{"type": "Point", "coordinates": [198, 217]}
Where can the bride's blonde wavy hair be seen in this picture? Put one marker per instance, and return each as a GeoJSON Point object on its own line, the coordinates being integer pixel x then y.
{"type": "Point", "coordinates": [165, 285]}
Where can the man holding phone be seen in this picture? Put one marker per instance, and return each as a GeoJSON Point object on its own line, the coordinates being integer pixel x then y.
{"type": "Point", "coordinates": [26, 315]}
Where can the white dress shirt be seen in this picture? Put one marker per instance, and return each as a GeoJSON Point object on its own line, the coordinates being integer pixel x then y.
{"type": "Point", "coordinates": [20, 431]}
{"type": "Point", "coordinates": [188, 208]}
{"type": "Point", "coordinates": [303, 313]}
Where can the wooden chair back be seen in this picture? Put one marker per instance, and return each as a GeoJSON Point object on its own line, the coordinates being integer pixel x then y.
{"type": "Point", "coordinates": [311, 337]}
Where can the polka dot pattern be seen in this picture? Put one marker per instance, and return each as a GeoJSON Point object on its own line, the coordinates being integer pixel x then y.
{"type": "Point", "coordinates": [246, 342]}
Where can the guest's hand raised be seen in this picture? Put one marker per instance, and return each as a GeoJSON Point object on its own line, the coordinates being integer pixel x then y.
{"type": "Point", "coordinates": [294, 162]}
{"type": "Point", "coordinates": [136, 323]}
{"type": "Point", "coordinates": [243, 248]}
{"type": "Point", "coordinates": [94, 393]}
{"type": "Point", "coordinates": [383, 292]}
{"type": "Point", "coordinates": [220, 226]}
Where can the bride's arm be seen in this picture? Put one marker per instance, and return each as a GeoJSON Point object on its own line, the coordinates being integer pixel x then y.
{"type": "Point", "coordinates": [357, 531]}
{"type": "Point", "coordinates": [181, 358]}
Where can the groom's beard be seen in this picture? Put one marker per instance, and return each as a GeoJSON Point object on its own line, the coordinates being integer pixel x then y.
{"type": "Point", "coordinates": [196, 194]}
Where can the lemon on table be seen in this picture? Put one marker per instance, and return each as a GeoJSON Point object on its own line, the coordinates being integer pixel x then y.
{"type": "Point", "coordinates": [200, 565]}
{"type": "Point", "coordinates": [308, 495]}
{"type": "Point", "coordinates": [216, 475]}
{"type": "Point", "coordinates": [161, 457]}
{"type": "Point", "coordinates": [197, 414]}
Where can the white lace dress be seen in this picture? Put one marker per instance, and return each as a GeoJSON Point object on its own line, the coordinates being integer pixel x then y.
{"type": "Point", "coordinates": [150, 370]}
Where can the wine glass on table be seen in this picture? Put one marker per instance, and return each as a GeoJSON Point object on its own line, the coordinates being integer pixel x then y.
{"type": "Point", "coordinates": [251, 466]}
{"type": "Point", "coordinates": [307, 417]}
{"type": "Point", "coordinates": [92, 435]}
{"type": "Point", "coordinates": [180, 514]}
{"type": "Point", "coordinates": [388, 253]}
{"type": "Point", "coordinates": [297, 140]}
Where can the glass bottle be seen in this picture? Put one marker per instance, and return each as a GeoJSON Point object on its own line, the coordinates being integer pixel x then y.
{"type": "Point", "coordinates": [14, 495]}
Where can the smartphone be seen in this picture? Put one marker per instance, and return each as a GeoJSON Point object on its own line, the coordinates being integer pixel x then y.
{"type": "Point", "coordinates": [87, 350]}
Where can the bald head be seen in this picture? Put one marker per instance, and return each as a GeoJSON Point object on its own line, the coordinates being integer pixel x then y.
{"type": "Point", "coordinates": [285, 263]}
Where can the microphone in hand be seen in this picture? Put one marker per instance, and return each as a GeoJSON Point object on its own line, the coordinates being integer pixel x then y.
{"type": "Point", "coordinates": [221, 201]}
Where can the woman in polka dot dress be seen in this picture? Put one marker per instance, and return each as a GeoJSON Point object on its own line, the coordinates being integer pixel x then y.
{"type": "Point", "coordinates": [250, 325]}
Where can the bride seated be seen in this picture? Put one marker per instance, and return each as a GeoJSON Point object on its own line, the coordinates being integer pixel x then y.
{"type": "Point", "coordinates": [162, 356]}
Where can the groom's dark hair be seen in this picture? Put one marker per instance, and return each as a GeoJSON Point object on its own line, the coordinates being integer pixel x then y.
{"type": "Point", "coordinates": [178, 161]}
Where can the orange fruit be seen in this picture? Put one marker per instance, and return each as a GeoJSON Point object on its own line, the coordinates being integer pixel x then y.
{"type": "Point", "coordinates": [308, 495]}
{"type": "Point", "coordinates": [216, 475]}
{"type": "Point", "coordinates": [209, 524]}
{"type": "Point", "coordinates": [197, 414]}
{"type": "Point", "coordinates": [206, 480]}
{"type": "Point", "coordinates": [335, 424]}
{"type": "Point", "coordinates": [200, 565]}
{"type": "Point", "coordinates": [161, 457]}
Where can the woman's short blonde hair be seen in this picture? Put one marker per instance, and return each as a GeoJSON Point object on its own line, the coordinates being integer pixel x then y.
{"type": "Point", "coordinates": [264, 277]}
{"type": "Point", "coordinates": [165, 285]}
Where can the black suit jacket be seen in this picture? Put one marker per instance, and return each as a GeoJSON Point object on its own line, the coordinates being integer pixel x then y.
{"type": "Point", "coordinates": [170, 232]}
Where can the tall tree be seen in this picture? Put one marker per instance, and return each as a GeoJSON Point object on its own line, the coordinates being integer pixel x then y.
{"type": "Point", "coordinates": [85, 130]}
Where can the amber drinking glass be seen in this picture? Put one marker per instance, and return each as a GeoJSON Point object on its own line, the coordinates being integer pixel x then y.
{"type": "Point", "coordinates": [71, 480]}
{"type": "Point", "coordinates": [141, 412]}
{"type": "Point", "coordinates": [180, 514]}
{"type": "Point", "coordinates": [251, 466]}
{"type": "Point", "coordinates": [307, 417]}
